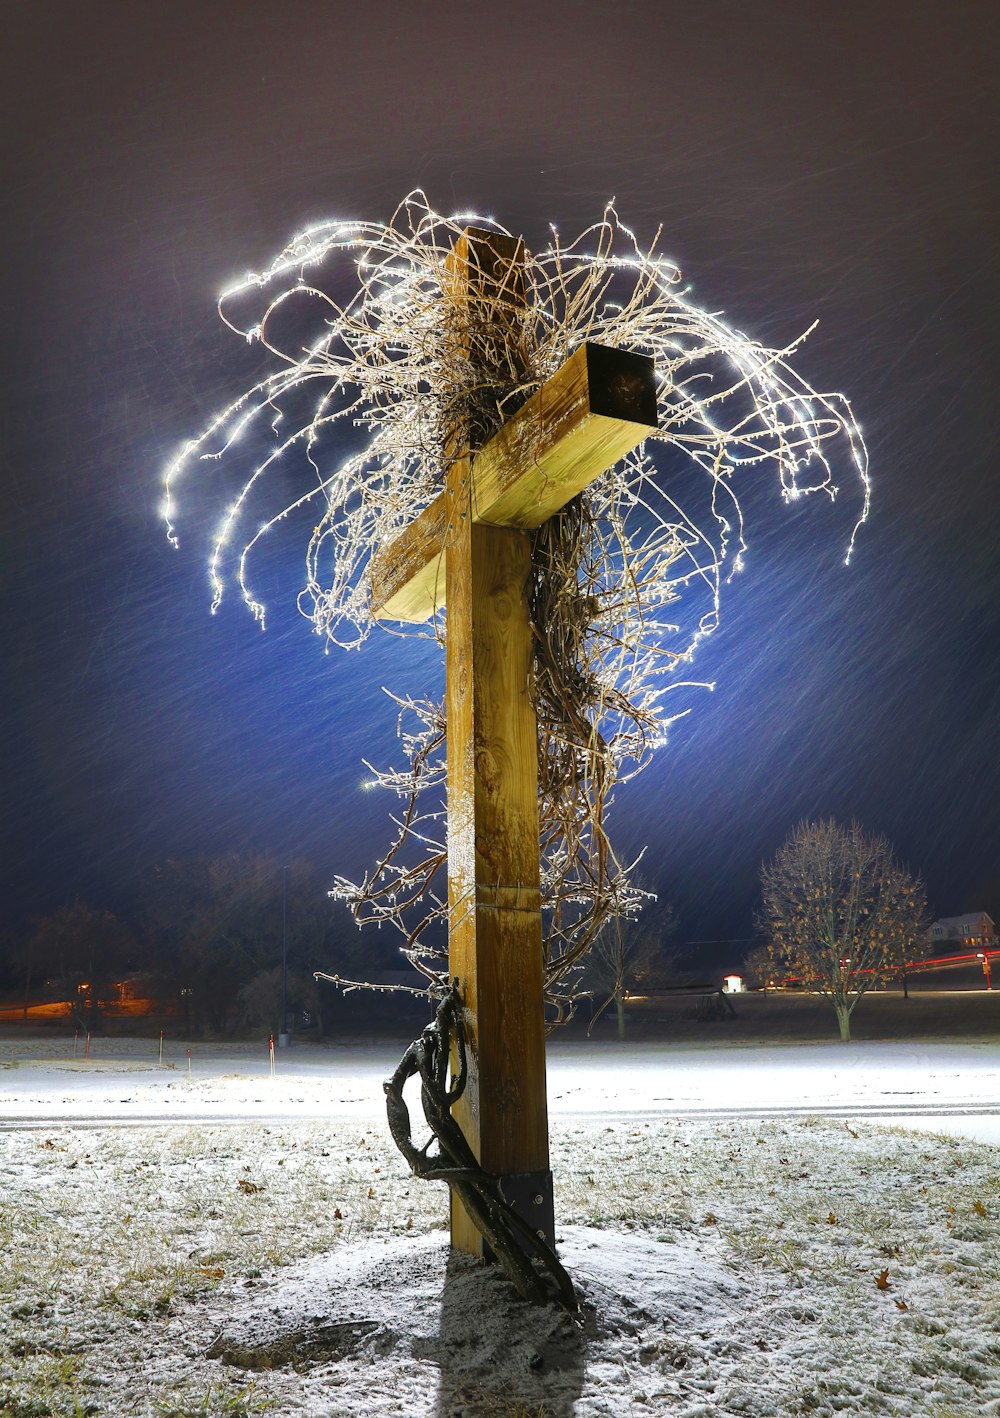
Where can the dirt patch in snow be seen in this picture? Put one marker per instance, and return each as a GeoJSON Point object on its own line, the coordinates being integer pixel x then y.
{"type": "Point", "coordinates": [446, 1333]}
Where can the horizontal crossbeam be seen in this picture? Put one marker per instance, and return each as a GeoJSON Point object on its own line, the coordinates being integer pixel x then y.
{"type": "Point", "coordinates": [599, 406]}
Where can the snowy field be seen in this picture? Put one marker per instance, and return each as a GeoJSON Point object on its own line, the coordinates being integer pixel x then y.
{"type": "Point", "coordinates": [746, 1234]}
{"type": "Point", "coordinates": [950, 1086]}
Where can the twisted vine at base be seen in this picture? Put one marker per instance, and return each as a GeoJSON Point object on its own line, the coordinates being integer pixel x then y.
{"type": "Point", "coordinates": [530, 1264]}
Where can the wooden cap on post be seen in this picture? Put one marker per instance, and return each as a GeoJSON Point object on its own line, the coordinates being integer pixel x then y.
{"type": "Point", "coordinates": [599, 406]}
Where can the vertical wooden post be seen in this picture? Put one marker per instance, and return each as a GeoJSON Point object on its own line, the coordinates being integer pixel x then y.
{"type": "Point", "coordinates": [598, 406]}
{"type": "Point", "coordinates": [495, 935]}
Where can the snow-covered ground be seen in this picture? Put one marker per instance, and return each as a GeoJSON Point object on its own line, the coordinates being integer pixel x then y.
{"type": "Point", "coordinates": [745, 1237]}
{"type": "Point", "coordinates": [946, 1086]}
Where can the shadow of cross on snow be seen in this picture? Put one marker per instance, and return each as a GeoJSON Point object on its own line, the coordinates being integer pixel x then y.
{"type": "Point", "coordinates": [491, 1340]}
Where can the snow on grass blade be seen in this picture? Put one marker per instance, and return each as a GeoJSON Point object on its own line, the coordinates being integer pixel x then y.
{"type": "Point", "coordinates": [750, 1268]}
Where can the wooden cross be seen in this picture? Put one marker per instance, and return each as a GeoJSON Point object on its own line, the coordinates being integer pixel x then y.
{"type": "Point", "coordinates": [471, 548]}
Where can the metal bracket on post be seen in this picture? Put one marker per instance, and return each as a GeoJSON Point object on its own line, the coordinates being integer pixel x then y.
{"type": "Point", "coordinates": [529, 1194]}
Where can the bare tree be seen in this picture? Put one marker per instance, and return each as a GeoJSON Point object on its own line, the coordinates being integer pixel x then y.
{"type": "Point", "coordinates": [629, 953]}
{"type": "Point", "coordinates": [218, 923]}
{"type": "Point", "coordinates": [841, 913]}
{"type": "Point", "coordinates": [258, 1002]}
{"type": "Point", "coordinates": [758, 968]}
{"type": "Point", "coordinates": [85, 948]}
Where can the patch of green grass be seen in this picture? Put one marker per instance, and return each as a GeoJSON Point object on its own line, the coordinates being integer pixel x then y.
{"type": "Point", "coordinates": [113, 1243]}
{"type": "Point", "coordinates": [53, 1389]}
{"type": "Point", "coordinates": [217, 1402]}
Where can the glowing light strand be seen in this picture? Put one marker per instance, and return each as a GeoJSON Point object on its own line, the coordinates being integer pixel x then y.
{"type": "Point", "coordinates": [387, 368]}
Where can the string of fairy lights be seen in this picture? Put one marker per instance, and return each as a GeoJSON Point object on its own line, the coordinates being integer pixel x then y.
{"type": "Point", "coordinates": [372, 353]}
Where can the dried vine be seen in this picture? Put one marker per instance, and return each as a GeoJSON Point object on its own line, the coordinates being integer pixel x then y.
{"type": "Point", "coordinates": [529, 1262]}
{"type": "Point", "coordinates": [626, 581]}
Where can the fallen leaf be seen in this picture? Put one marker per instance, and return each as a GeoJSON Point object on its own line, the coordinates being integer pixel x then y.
{"type": "Point", "coordinates": [831, 1219]}
{"type": "Point", "coordinates": [902, 1305]}
{"type": "Point", "coordinates": [214, 1272]}
{"type": "Point", "coordinates": [710, 1219]}
{"type": "Point", "coordinates": [882, 1280]}
{"type": "Point", "coordinates": [371, 1193]}
{"type": "Point", "coordinates": [979, 1208]}
{"type": "Point", "coordinates": [248, 1187]}
{"type": "Point", "coordinates": [338, 1215]}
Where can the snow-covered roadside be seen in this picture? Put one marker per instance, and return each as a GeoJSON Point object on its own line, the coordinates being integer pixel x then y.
{"type": "Point", "coordinates": [727, 1255]}
{"type": "Point", "coordinates": [752, 1268]}
{"type": "Point", "coordinates": [944, 1086]}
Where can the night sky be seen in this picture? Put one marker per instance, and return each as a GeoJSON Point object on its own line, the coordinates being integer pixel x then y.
{"type": "Point", "coordinates": [807, 160]}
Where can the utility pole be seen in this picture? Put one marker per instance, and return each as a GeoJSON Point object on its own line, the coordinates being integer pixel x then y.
{"type": "Point", "coordinates": [283, 1031]}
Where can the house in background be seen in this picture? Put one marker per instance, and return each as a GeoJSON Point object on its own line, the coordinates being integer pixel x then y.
{"type": "Point", "coordinates": [974, 930]}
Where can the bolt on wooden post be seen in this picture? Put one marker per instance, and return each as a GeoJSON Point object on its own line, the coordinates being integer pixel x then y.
{"type": "Point", "coordinates": [471, 548]}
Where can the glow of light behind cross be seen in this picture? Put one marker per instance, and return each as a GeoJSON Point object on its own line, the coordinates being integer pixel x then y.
{"type": "Point", "coordinates": [384, 371]}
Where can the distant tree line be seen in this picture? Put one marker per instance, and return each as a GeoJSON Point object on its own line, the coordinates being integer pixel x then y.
{"type": "Point", "coordinates": [205, 937]}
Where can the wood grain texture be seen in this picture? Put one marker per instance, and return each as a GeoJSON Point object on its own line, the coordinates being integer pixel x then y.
{"type": "Point", "coordinates": [556, 443]}
{"type": "Point", "coordinates": [495, 933]}
{"type": "Point", "coordinates": [593, 411]}
{"type": "Point", "coordinates": [495, 929]}
{"type": "Point", "coordinates": [486, 267]}
{"type": "Point", "coordinates": [597, 407]}
{"type": "Point", "coordinates": [407, 579]}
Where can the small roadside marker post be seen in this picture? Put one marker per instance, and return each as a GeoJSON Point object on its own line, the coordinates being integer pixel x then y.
{"type": "Point", "coordinates": [86, 1052]}
{"type": "Point", "coordinates": [270, 1045]}
{"type": "Point", "coordinates": [161, 1048]}
{"type": "Point", "coordinates": [189, 1063]}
